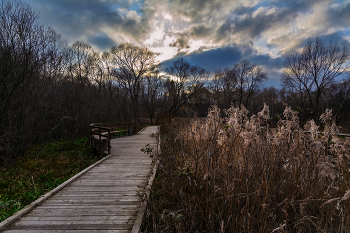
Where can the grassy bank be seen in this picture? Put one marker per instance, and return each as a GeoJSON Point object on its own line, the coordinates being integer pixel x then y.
{"type": "Point", "coordinates": [43, 168]}
{"type": "Point", "coordinates": [232, 174]}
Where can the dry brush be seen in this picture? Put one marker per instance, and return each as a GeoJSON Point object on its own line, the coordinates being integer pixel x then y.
{"type": "Point", "coordinates": [232, 173]}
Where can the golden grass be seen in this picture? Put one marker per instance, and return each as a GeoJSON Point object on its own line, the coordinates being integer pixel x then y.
{"type": "Point", "coordinates": [228, 174]}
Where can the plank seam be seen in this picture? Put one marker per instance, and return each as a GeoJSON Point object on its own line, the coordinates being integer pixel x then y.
{"type": "Point", "coordinates": [46, 196]}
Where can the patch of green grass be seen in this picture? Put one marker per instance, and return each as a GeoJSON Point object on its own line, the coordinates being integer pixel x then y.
{"type": "Point", "coordinates": [43, 168]}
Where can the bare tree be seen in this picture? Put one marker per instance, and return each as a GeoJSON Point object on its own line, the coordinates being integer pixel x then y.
{"type": "Point", "coordinates": [152, 95]}
{"type": "Point", "coordinates": [132, 64]}
{"type": "Point", "coordinates": [186, 80]}
{"type": "Point", "coordinates": [108, 68]}
{"type": "Point", "coordinates": [308, 73]}
{"type": "Point", "coordinates": [250, 78]}
{"type": "Point", "coordinates": [223, 86]}
{"type": "Point", "coordinates": [82, 59]}
{"type": "Point", "coordinates": [255, 79]}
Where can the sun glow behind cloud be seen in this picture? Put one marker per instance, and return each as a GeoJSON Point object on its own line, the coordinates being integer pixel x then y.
{"type": "Point", "coordinates": [193, 28]}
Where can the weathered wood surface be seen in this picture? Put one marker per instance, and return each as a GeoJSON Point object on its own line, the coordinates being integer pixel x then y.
{"type": "Point", "coordinates": [105, 199]}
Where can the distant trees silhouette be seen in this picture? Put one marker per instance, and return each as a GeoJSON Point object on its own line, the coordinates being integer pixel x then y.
{"type": "Point", "coordinates": [49, 90]}
{"type": "Point", "coordinates": [185, 81]}
{"type": "Point", "coordinates": [238, 85]}
{"type": "Point", "coordinates": [30, 56]}
{"type": "Point", "coordinates": [132, 64]}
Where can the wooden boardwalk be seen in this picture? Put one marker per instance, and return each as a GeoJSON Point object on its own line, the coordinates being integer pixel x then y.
{"type": "Point", "coordinates": [105, 199]}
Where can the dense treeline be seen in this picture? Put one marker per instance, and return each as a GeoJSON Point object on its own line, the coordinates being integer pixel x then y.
{"type": "Point", "coordinates": [51, 90]}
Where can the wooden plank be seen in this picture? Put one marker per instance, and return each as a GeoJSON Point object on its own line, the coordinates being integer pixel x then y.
{"type": "Point", "coordinates": [77, 218]}
{"type": "Point", "coordinates": [95, 195]}
{"type": "Point", "coordinates": [117, 188]}
{"type": "Point", "coordinates": [106, 185]}
{"type": "Point", "coordinates": [131, 190]}
{"type": "Point", "coordinates": [123, 167]}
{"type": "Point", "coordinates": [89, 207]}
{"type": "Point", "coordinates": [114, 179]}
{"type": "Point", "coordinates": [129, 166]}
{"type": "Point", "coordinates": [119, 171]}
{"type": "Point", "coordinates": [74, 227]}
{"type": "Point", "coordinates": [72, 231]}
{"type": "Point", "coordinates": [131, 162]}
{"type": "Point", "coordinates": [26, 222]}
{"type": "Point", "coordinates": [95, 199]}
{"type": "Point", "coordinates": [105, 189]}
{"type": "Point", "coordinates": [128, 161]}
{"type": "Point", "coordinates": [112, 182]}
{"type": "Point", "coordinates": [45, 212]}
{"type": "Point", "coordinates": [93, 191]}
{"type": "Point", "coordinates": [94, 202]}
{"type": "Point", "coordinates": [86, 195]}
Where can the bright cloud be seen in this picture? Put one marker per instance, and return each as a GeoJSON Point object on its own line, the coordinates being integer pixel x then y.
{"type": "Point", "coordinates": [177, 27]}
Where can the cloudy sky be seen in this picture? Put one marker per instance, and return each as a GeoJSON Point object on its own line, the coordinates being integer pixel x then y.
{"type": "Point", "coordinates": [210, 33]}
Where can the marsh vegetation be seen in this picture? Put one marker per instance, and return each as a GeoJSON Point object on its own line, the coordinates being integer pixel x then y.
{"type": "Point", "coordinates": [232, 173]}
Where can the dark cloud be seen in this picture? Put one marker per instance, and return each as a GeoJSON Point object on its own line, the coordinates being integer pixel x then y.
{"type": "Point", "coordinates": [267, 61]}
{"type": "Point", "coordinates": [228, 56]}
{"type": "Point", "coordinates": [336, 38]}
{"type": "Point", "coordinates": [196, 9]}
{"type": "Point", "coordinates": [212, 59]}
{"type": "Point", "coordinates": [200, 31]}
{"type": "Point", "coordinates": [241, 10]}
{"type": "Point", "coordinates": [74, 16]}
{"type": "Point", "coordinates": [182, 42]}
{"type": "Point", "coordinates": [273, 67]}
{"type": "Point", "coordinates": [255, 22]}
{"type": "Point", "coordinates": [340, 15]}
{"type": "Point", "coordinates": [81, 17]}
{"type": "Point", "coordinates": [102, 41]}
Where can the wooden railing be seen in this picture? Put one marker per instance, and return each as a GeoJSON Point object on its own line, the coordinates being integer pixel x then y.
{"type": "Point", "coordinates": [101, 134]}
{"type": "Point", "coordinates": [98, 140]}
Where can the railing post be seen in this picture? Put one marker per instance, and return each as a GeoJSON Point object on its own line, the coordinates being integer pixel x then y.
{"type": "Point", "coordinates": [91, 135]}
{"type": "Point", "coordinates": [100, 142]}
{"type": "Point", "coordinates": [109, 141]}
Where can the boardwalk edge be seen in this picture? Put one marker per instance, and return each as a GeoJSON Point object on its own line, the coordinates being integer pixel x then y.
{"type": "Point", "coordinates": [139, 217]}
{"type": "Point", "coordinates": [46, 196]}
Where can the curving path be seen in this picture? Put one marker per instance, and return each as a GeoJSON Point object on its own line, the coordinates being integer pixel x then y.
{"type": "Point", "coordinates": [104, 199]}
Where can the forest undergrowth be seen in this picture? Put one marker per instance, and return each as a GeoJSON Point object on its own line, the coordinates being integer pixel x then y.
{"type": "Point", "coordinates": [40, 170]}
{"type": "Point", "coordinates": [232, 173]}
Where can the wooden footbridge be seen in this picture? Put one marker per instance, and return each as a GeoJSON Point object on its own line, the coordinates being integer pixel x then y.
{"type": "Point", "coordinates": [108, 196]}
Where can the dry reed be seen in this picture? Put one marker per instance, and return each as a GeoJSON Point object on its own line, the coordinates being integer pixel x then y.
{"type": "Point", "coordinates": [232, 173]}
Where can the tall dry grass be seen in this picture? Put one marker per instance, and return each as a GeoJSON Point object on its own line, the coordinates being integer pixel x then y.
{"type": "Point", "coordinates": [227, 173]}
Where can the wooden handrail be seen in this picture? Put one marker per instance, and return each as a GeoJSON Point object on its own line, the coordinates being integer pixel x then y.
{"type": "Point", "coordinates": [103, 133]}
{"type": "Point", "coordinates": [101, 143]}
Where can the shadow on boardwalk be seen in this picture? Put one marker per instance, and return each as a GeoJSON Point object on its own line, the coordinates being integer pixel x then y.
{"type": "Point", "coordinates": [104, 199]}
